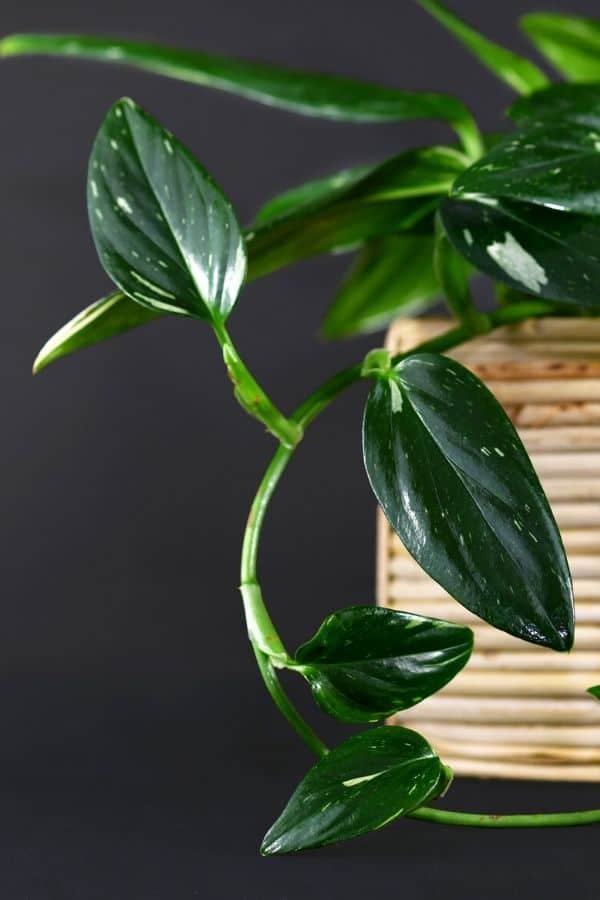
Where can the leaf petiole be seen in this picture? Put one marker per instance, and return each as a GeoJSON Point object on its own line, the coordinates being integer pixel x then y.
{"type": "Point", "coordinates": [252, 397]}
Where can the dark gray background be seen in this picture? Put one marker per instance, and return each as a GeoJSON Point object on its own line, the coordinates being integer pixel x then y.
{"type": "Point", "coordinates": [140, 757]}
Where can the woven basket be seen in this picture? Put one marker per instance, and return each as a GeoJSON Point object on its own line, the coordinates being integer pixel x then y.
{"type": "Point", "coordinates": [518, 710]}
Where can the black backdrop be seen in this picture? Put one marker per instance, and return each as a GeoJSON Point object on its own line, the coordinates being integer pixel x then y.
{"type": "Point", "coordinates": [139, 754]}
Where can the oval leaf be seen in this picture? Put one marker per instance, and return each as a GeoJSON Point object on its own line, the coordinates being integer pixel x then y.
{"type": "Point", "coordinates": [528, 213]}
{"type": "Point", "coordinates": [392, 276]}
{"type": "Point", "coordinates": [571, 43]}
{"type": "Point", "coordinates": [312, 219]}
{"type": "Point", "coordinates": [365, 662]}
{"type": "Point", "coordinates": [456, 484]}
{"type": "Point", "coordinates": [521, 74]}
{"type": "Point", "coordinates": [164, 232]}
{"type": "Point", "coordinates": [359, 786]}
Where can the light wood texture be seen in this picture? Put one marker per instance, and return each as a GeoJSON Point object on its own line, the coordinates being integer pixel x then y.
{"type": "Point", "coordinates": [517, 710]}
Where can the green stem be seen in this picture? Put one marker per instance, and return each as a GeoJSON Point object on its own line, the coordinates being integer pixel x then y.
{"type": "Point", "coordinates": [285, 705]}
{"type": "Point", "coordinates": [251, 396]}
{"type": "Point", "coordinates": [261, 631]}
{"type": "Point", "coordinates": [487, 820]}
{"type": "Point", "coordinates": [267, 644]}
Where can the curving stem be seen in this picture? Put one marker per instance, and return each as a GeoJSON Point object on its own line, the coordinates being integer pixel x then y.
{"type": "Point", "coordinates": [267, 645]}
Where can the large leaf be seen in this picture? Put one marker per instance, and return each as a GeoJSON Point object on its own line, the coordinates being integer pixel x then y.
{"type": "Point", "coordinates": [456, 484]}
{"type": "Point", "coordinates": [528, 213]}
{"type": "Point", "coordinates": [365, 663]}
{"type": "Point", "coordinates": [571, 43]}
{"type": "Point", "coordinates": [359, 786]}
{"type": "Point", "coordinates": [107, 317]}
{"type": "Point", "coordinates": [391, 276]}
{"type": "Point", "coordinates": [520, 73]}
{"type": "Point", "coordinates": [329, 96]}
{"type": "Point", "coordinates": [400, 193]}
{"type": "Point", "coordinates": [164, 232]}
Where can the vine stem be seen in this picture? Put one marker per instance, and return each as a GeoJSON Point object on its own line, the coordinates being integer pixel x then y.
{"type": "Point", "coordinates": [267, 645]}
{"type": "Point", "coordinates": [488, 820]}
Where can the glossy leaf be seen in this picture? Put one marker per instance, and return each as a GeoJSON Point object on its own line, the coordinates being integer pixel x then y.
{"type": "Point", "coordinates": [104, 319]}
{"type": "Point", "coordinates": [392, 276]}
{"type": "Point", "coordinates": [359, 786]}
{"type": "Point", "coordinates": [520, 73]}
{"type": "Point", "coordinates": [401, 193]}
{"type": "Point", "coordinates": [594, 691]}
{"type": "Point", "coordinates": [571, 43]}
{"type": "Point", "coordinates": [309, 192]}
{"type": "Point", "coordinates": [163, 230]}
{"type": "Point", "coordinates": [310, 93]}
{"type": "Point", "coordinates": [528, 213]}
{"type": "Point", "coordinates": [456, 484]}
{"type": "Point", "coordinates": [391, 197]}
{"type": "Point", "coordinates": [365, 663]}
{"type": "Point", "coordinates": [576, 103]}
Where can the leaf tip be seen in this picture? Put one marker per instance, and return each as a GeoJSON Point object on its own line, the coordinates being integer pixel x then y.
{"type": "Point", "coordinates": [269, 847]}
{"type": "Point", "coordinates": [40, 362]}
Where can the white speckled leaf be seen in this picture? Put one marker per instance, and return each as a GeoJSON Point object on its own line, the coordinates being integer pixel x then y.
{"type": "Point", "coordinates": [528, 213]}
{"type": "Point", "coordinates": [456, 484]}
{"type": "Point", "coordinates": [362, 784]}
{"type": "Point", "coordinates": [164, 232]}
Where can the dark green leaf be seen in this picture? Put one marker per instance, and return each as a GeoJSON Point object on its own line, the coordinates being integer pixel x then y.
{"type": "Point", "coordinates": [457, 486]}
{"type": "Point", "coordinates": [303, 92]}
{"type": "Point", "coordinates": [107, 317]}
{"type": "Point", "coordinates": [309, 192]}
{"type": "Point", "coordinates": [391, 197]}
{"type": "Point", "coordinates": [594, 691]}
{"type": "Point", "coordinates": [365, 662]}
{"type": "Point", "coordinates": [164, 232]}
{"type": "Point", "coordinates": [453, 273]}
{"type": "Point", "coordinates": [571, 43]}
{"type": "Point", "coordinates": [392, 276]}
{"type": "Point", "coordinates": [359, 786]}
{"type": "Point", "coordinates": [528, 213]}
{"type": "Point", "coordinates": [521, 74]}
{"type": "Point", "coordinates": [400, 193]}
{"type": "Point", "coordinates": [576, 103]}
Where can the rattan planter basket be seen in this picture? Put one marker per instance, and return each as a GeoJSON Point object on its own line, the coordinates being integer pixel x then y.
{"type": "Point", "coordinates": [517, 710]}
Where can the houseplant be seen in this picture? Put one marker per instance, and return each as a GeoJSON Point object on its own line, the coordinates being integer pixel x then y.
{"type": "Point", "coordinates": [444, 461]}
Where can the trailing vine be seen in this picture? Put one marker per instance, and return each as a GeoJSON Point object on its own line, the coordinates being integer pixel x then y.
{"type": "Point", "coordinates": [442, 457]}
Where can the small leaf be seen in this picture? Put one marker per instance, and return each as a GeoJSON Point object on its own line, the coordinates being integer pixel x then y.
{"type": "Point", "coordinates": [359, 786]}
{"type": "Point", "coordinates": [594, 691]}
{"type": "Point", "coordinates": [456, 484]}
{"type": "Point", "coordinates": [521, 74]}
{"type": "Point", "coordinates": [571, 43]}
{"type": "Point", "coordinates": [164, 232]}
{"type": "Point", "coordinates": [392, 276]}
{"type": "Point", "coordinates": [329, 96]}
{"type": "Point", "coordinates": [107, 317]}
{"type": "Point", "coordinates": [528, 213]}
{"type": "Point", "coordinates": [365, 662]}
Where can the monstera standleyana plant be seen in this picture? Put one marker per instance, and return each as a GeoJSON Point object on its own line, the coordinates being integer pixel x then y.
{"type": "Point", "coordinates": [443, 459]}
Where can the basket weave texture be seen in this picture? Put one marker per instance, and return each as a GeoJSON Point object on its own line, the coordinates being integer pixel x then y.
{"type": "Point", "coordinates": [518, 710]}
